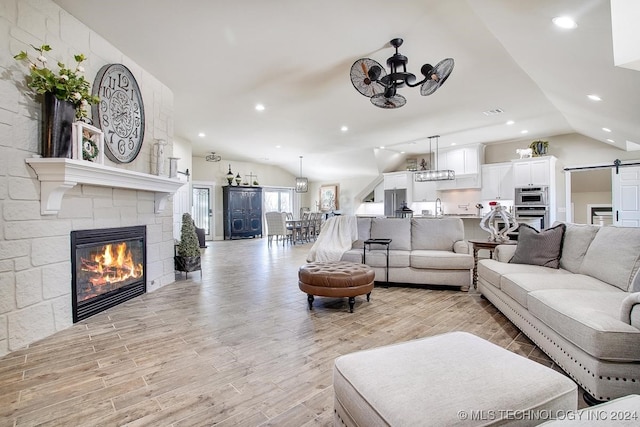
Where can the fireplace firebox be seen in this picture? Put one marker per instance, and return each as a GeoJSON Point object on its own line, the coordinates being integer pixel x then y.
{"type": "Point", "coordinates": [108, 267]}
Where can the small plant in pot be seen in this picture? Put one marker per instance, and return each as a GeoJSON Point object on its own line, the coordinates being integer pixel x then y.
{"type": "Point", "coordinates": [188, 254]}
{"type": "Point", "coordinates": [539, 148]}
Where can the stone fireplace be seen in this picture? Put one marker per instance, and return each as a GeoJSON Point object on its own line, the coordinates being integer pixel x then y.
{"type": "Point", "coordinates": [45, 199]}
{"type": "Point", "coordinates": [108, 267]}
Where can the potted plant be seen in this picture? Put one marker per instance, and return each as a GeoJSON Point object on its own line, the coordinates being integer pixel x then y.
{"type": "Point", "coordinates": [188, 253]}
{"type": "Point", "coordinates": [539, 148]}
{"type": "Point", "coordinates": [66, 95]}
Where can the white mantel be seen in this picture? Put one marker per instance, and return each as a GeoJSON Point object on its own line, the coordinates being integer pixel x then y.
{"type": "Point", "coordinates": [57, 175]}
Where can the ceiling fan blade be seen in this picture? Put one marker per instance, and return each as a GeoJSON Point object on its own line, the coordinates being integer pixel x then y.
{"type": "Point", "coordinates": [364, 77]}
{"type": "Point", "coordinates": [395, 101]}
{"type": "Point", "coordinates": [436, 76]}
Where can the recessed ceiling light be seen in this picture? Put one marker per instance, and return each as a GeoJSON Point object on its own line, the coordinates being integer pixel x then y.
{"type": "Point", "coordinates": [402, 152]}
{"type": "Point", "coordinates": [524, 131]}
{"type": "Point", "coordinates": [278, 146]}
{"type": "Point", "coordinates": [344, 128]}
{"type": "Point", "coordinates": [259, 107]}
{"type": "Point", "coordinates": [453, 143]}
{"type": "Point", "coordinates": [382, 147]}
{"type": "Point", "coordinates": [510, 122]}
{"type": "Point", "coordinates": [606, 129]}
{"type": "Point", "coordinates": [201, 135]}
{"type": "Point", "coordinates": [594, 97]}
{"type": "Point", "coordinates": [610, 140]}
{"type": "Point", "coordinates": [565, 22]}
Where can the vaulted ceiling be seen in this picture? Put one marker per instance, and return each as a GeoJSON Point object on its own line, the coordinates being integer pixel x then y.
{"type": "Point", "coordinates": [221, 58]}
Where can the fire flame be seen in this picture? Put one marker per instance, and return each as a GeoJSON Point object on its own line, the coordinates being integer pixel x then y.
{"type": "Point", "coordinates": [114, 264]}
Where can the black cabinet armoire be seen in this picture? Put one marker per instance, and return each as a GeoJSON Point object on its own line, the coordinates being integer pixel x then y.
{"type": "Point", "coordinates": [242, 211]}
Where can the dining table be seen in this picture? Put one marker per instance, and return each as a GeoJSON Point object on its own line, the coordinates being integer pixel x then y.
{"type": "Point", "coordinates": [295, 225]}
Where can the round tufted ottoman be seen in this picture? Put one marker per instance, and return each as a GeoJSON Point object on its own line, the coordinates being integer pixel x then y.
{"type": "Point", "coordinates": [336, 279]}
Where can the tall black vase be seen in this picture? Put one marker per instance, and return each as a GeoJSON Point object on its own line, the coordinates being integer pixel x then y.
{"type": "Point", "coordinates": [58, 118]}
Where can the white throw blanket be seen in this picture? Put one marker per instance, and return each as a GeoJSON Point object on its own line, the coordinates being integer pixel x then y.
{"type": "Point", "coordinates": [337, 235]}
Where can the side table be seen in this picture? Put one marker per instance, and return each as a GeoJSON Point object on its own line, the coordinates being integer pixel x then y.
{"type": "Point", "coordinates": [490, 246]}
{"type": "Point", "coordinates": [385, 242]}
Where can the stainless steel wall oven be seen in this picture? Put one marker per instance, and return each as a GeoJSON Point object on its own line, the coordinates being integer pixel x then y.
{"type": "Point", "coordinates": [532, 196]}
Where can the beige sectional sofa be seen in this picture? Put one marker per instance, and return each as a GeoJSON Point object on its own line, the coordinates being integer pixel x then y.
{"type": "Point", "coordinates": [424, 251]}
{"type": "Point", "coordinates": [586, 314]}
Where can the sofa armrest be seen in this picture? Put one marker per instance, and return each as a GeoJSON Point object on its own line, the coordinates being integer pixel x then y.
{"type": "Point", "coordinates": [630, 310]}
{"type": "Point", "coordinates": [504, 253]}
{"type": "Point", "coordinates": [461, 247]}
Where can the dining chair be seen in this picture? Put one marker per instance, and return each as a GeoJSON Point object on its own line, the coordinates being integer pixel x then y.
{"type": "Point", "coordinates": [276, 227]}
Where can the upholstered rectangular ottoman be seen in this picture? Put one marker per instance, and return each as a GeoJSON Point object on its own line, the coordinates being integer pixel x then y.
{"type": "Point", "coordinates": [450, 379]}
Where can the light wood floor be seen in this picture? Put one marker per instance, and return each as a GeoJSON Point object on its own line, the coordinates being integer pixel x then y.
{"type": "Point", "coordinates": [237, 347]}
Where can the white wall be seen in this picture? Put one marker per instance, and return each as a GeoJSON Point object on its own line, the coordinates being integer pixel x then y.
{"type": "Point", "coordinates": [349, 192]}
{"type": "Point", "coordinates": [182, 150]}
{"type": "Point", "coordinates": [35, 267]}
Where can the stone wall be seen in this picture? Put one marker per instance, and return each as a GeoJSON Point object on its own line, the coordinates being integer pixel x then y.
{"type": "Point", "coordinates": [35, 266]}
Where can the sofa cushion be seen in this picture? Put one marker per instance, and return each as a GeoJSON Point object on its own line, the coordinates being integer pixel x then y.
{"type": "Point", "coordinates": [492, 270]}
{"type": "Point", "coordinates": [441, 260]}
{"type": "Point", "coordinates": [539, 247]}
{"type": "Point", "coordinates": [397, 229]}
{"type": "Point", "coordinates": [364, 231]}
{"type": "Point", "coordinates": [577, 238]}
{"type": "Point", "coordinates": [352, 255]}
{"type": "Point", "coordinates": [378, 258]}
{"type": "Point", "coordinates": [436, 233]}
{"type": "Point", "coordinates": [518, 285]}
{"type": "Point", "coordinates": [617, 248]}
{"type": "Point", "coordinates": [590, 320]}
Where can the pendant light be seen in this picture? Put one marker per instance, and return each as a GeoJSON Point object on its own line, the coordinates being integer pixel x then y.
{"type": "Point", "coordinates": [302, 183]}
{"type": "Point", "coordinates": [435, 174]}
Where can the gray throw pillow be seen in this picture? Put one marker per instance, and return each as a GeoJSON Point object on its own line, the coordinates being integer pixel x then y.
{"type": "Point", "coordinates": [539, 247]}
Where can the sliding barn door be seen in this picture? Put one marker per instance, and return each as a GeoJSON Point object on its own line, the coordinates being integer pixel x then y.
{"type": "Point", "coordinates": [626, 196]}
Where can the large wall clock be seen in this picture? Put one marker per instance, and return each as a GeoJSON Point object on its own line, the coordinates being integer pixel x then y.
{"type": "Point", "coordinates": [120, 112]}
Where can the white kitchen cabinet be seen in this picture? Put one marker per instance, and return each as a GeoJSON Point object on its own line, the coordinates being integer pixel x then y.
{"type": "Point", "coordinates": [397, 180]}
{"type": "Point", "coordinates": [537, 171]}
{"type": "Point", "coordinates": [465, 162]}
{"type": "Point", "coordinates": [453, 160]}
{"type": "Point", "coordinates": [497, 182]}
{"type": "Point", "coordinates": [424, 191]}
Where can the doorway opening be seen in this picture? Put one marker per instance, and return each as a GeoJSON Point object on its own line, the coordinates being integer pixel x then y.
{"type": "Point", "coordinates": [202, 210]}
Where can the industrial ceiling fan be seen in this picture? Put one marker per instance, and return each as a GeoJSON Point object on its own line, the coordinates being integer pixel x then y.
{"type": "Point", "coordinates": [371, 79]}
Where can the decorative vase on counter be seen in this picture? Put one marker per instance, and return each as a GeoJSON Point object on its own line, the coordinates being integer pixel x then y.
{"type": "Point", "coordinates": [489, 223]}
{"type": "Point", "coordinates": [58, 120]}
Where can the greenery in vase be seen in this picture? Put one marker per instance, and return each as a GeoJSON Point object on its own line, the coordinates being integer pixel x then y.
{"type": "Point", "coordinates": [539, 147]}
{"type": "Point", "coordinates": [189, 245]}
{"type": "Point", "coordinates": [68, 84]}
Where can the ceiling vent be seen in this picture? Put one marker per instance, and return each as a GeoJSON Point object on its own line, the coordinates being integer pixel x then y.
{"type": "Point", "coordinates": [493, 112]}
